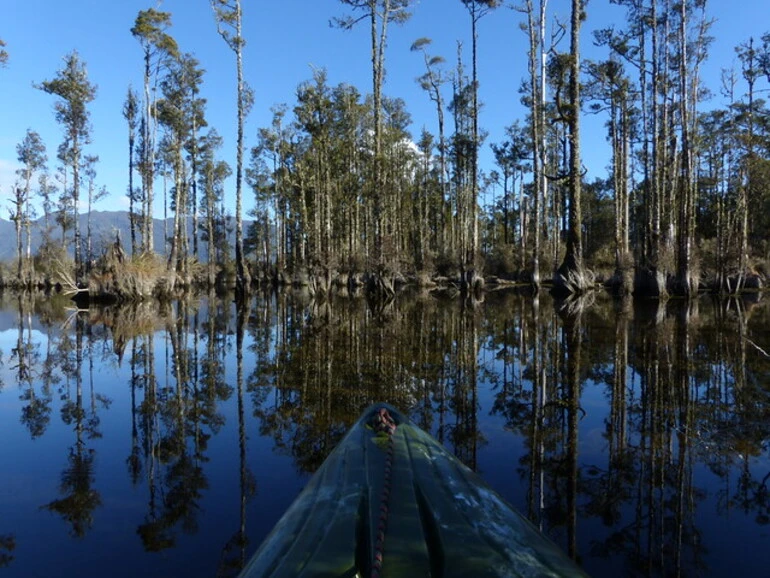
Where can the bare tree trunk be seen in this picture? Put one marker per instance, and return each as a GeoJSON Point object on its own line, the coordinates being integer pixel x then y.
{"type": "Point", "coordinates": [537, 59]}
{"type": "Point", "coordinates": [571, 276]}
{"type": "Point", "coordinates": [194, 175]}
{"type": "Point", "coordinates": [686, 284]}
{"type": "Point", "coordinates": [17, 222]}
{"type": "Point", "coordinates": [243, 282]}
{"type": "Point", "coordinates": [76, 206]}
{"type": "Point", "coordinates": [30, 264]}
{"type": "Point", "coordinates": [148, 168]}
{"type": "Point", "coordinates": [473, 204]}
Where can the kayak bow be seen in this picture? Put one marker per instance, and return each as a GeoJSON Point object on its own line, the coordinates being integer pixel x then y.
{"type": "Point", "coordinates": [389, 502]}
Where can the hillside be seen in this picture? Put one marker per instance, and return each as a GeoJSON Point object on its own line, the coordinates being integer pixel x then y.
{"type": "Point", "coordinates": [105, 225]}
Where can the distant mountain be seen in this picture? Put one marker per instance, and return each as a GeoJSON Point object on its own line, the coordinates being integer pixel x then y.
{"type": "Point", "coordinates": [105, 226]}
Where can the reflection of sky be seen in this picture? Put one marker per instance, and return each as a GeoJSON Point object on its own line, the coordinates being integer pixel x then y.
{"type": "Point", "coordinates": [8, 341]}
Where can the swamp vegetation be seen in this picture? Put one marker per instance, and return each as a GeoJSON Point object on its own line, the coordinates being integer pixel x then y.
{"type": "Point", "coordinates": [342, 194]}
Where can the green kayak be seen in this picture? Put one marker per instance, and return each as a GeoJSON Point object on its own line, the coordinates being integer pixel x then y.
{"type": "Point", "coordinates": [390, 501]}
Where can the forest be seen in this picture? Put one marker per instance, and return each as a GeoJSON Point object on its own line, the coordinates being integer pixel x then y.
{"type": "Point", "coordinates": [337, 194]}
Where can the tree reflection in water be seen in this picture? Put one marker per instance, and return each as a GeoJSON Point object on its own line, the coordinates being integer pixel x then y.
{"type": "Point", "coordinates": [175, 412]}
{"type": "Point", "coordinates": [24, 361]}
{"type": "Point", "coordinates": [7, 546]}
{"type": "Point", "coordinates": [77, 480]}
{"type": "Point", "coordinates": [629, 423]}
{"type": "Point", "coordinates": [318, 368]}
{"type": "Point", "coordinates": [675, 389]}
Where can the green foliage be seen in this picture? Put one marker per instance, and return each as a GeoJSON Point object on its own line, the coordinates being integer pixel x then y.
{"type": "Point", "coordinates": [480, 7]}
{"type": "Point", "coordinates": [228, 17]}
{"type": "Point", "coordinates": [51, 260]}
{"type": "Point", "coordinates": [398, 11]}
{"type": "Point", "coordinates": [598, 219]}
{"type": "Point", "coordinates": [31, 153]}
{"type": "Point", "coordinates": [74, 89]}
{"type": "Point", "coordinates": [502, 262]}
{"type": "Point", "coordinates": [150, 29]}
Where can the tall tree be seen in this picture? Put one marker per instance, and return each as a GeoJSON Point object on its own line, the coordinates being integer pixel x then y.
{"type": "Point", "coordinates": [179, 116]}
{"type": "Point", "coordinates": [212, 175]}
{"type": "Point", "coordinates": [130, 111]}
{"type": "Point", "coordinates": [690, 45]}
{"type": "Point", "coordinates": [228, 15]}
{"type": "Point", "coordinates": [512, 156]}
{"type": "Point", "coordinates": [750, 58]}
{"type": "Point", "coordinates": [611, 89]}
{"type": "Point", "coordinates": [461, 108]}
{"type": "Point", "coordinates": [379, 13]}
{"type": "Point", "coordinates": [536, 65]}
{"type": "Point", "coordinates": [46, 191]}
{"type": "Point", "coordinates": [196, 120]}
{"type": "Point", "coordinates": [643, 44]}
{"type": "Point", "coordinates": [477, 9]}
{"type": "Point", "coordinates": [157, 47]}
{"type": "Point", "coordinates": [74, 89]}
{"type": "Point", "coordinates": [3, 53]}
{"type": "Point", "coordinates": [571, 276]}
{"type": "Point", "coordinates": [94, 196]}
{"type": "Point", "coordinates": [32, 156]}
{"type": "Point", "coordinates": [63, 214]}
{"type": "Point", "coordinates": [432, 82]}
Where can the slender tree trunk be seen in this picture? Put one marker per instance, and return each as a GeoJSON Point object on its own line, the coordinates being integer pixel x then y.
{"type": "Point", "coordinates": [76, 206]}
{"type": "Point", "coordinates": [17, 223]}
{"type": "Point", "coordinates": [656, 164]}
{"type": "Point", "coordinates": [175, 256]}
{"type": "Point", "coordinates": [470, 259]}
{"type": "Point", "coordinates": [88, 226]}
{"type": "Point", "coordinates": [210, 216]}
{"type": "Point", "coordinates": [535, 51]}
{"type": "Point", "coordinates": [131, 210]}
{"type": "Point", "coordinates": [378, 52]}
{"type": "Point", "coordinates": [30, 265]}
{"type": "Point", "coordinates": [194, 175]}
{"type": "Point", "coordinates": [129, 113]}
{"type": "Point", "coordinates": [244, 277]}
{"type": "Point", "coordinates": [571, 276]}
{"type": "Point", "coordinates": [148, 168]}
{"type": "Point", "coordinates": [685, 282]}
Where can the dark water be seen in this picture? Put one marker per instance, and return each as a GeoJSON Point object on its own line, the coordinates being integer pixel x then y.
{"type": "Point", "coordinates": [153, 441]}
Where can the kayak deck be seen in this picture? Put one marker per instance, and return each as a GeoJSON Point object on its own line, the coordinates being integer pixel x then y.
{"type": "Point", "coordinates": [438, 517]}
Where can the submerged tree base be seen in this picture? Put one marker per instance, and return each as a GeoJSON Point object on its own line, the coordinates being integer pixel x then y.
{"type": "Point", "coordinates": [572, 278]}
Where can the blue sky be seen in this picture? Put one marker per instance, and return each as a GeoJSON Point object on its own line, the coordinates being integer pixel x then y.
{"type": "Point", "coordinates": [285, 40]}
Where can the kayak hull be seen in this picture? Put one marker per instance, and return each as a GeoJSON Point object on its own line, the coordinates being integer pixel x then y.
{"type": "Point", "coordinates": [396, 505]}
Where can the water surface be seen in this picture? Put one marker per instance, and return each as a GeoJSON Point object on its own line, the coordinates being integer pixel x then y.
{"type": "Point", "coordinates": [165, 441]}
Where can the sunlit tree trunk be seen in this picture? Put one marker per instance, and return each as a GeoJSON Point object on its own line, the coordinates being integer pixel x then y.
{"type": "Point", "coordinates": [229, 24]}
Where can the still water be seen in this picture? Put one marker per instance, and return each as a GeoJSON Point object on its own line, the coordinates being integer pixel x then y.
{"type": "Point", "coordinates": [167, 441]}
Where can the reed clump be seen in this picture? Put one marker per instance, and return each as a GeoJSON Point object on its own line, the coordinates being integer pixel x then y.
{"type": "Point", "coordinates": [122, 278]}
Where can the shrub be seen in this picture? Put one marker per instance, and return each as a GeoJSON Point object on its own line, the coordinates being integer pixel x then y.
{"type": "Point", "coordinates": [52, 263]}
{"type": "Point", "coordinates": [501, 262]}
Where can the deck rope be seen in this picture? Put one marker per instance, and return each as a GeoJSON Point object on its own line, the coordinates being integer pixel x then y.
{"type": "Point", "coordinates": [383, 422]}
